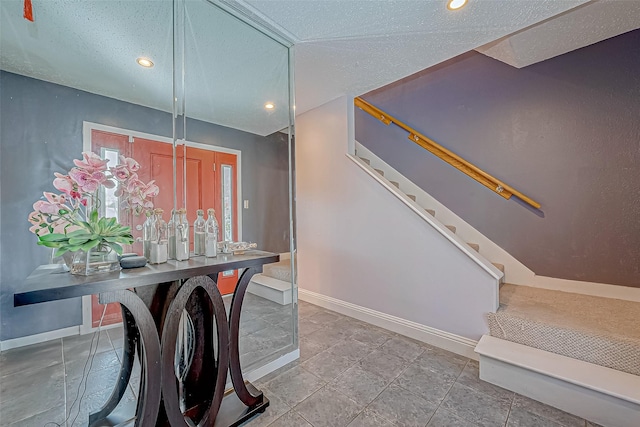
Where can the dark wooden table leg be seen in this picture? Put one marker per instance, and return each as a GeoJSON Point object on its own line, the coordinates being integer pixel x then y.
{"type": "Point", "coordinates": [169, 336]}
{"type": "Point", "coordinates": [131, 338]}
{"type": "Point", "coordinates": [150, 388]}
{"type": "Point", "coordinates": [203, 366]}
{"type": "Point", "coordinates": [247, 397]}
{"type": "Point", "coordinates": [247, 401]}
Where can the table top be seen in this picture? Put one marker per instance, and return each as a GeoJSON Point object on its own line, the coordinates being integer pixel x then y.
{"type": "Point", "coordinates": [46, 283]}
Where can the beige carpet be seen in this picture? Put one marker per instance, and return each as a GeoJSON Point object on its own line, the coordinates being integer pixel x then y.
{"type": "Point", "coordinates": [602, 331]}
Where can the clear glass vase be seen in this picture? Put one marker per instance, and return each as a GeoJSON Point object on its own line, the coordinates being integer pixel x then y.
{"type": "Point", "coordinates": [101, 259]}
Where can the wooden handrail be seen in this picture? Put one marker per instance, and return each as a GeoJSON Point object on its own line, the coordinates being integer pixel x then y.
{"type": "Point", "coordinates": [450, 157]}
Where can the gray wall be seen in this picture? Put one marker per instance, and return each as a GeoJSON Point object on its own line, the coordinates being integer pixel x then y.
{"type": "Point", "coordinates": [41, 133]}
{"type": "Point", "coordinates": [565, 132]}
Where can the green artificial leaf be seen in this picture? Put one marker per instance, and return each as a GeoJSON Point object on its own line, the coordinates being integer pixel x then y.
{"type": "Point", "coordinates": [79, 233]}
{"type": "Point", "coordinates": [78, 240]}
{"type": "Point", "coordinates": [53, 237]}
{"type": "Point", "coordinates": [116, 247]}
{"type": "Point", "coordinates": [93, 217]}
{"type": "Point", "coordinates": [50, 244]}
{"type": "Point", "coordinates": [90, 244]}
{"type": "Point", "coordinates": [61, 251]}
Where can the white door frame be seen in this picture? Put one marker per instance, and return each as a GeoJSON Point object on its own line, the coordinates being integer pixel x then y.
{"type": "Point", "coordinates": [87, 127]}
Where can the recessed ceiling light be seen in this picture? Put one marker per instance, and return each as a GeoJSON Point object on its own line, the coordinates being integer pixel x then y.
{"type": "Point", "coordinates": [144, 62]}
{"type": "Point", "coordinates": [455, 4]}
{"type": "Point", "coordinates": [269, 106]}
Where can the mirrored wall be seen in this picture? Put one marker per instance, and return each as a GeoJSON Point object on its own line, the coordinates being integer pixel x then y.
{"type": "Point", "coordinates": [200, 98]}
{"type": "Point", "coordinates": [233, 116]}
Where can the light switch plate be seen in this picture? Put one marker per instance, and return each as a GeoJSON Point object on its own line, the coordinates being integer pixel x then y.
{"type": "Point", "coordinates": [246, 204]}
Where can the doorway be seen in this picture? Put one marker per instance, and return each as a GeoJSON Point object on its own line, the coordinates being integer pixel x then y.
{"type": "Point", "coordinates": [212, 181]}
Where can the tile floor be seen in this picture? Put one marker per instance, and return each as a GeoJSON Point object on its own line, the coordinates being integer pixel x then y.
{"type": "Point", "coordinates": [349, 374]}
{"type": "Point", "coordinates": [41, 385]}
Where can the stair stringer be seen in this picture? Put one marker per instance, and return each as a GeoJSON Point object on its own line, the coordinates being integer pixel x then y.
{"type": "Point", "coordinates": [514, 271]}
{"type": "Point", "coordinates": [484, 263]}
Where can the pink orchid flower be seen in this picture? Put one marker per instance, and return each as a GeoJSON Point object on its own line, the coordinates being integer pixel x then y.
{"type": "Point", "coordinates": [134, 184]}
{"type": "Point", "coordinates": [92, 162]}
{"type": "Point", "coordinates": [150, 190]}
{"type": "Point", "coordinates": [60, 225]}
{"type": "Point", "coordinates": [36, 218]}
{"type": "Point", "coordinates": [52, 205]}
{"type": "Point", "coordinates": [65, 184]}
{"type": "Point", "coordinates": [85, 180]}
{"type": "Point", "coordinates": [130, 163]}
{"type": "Point", "coordinates": [120, 172]}
{"type": "Point", "coordinates": [102, 179]}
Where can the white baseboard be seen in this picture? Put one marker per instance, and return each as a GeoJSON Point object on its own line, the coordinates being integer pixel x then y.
{"type": "Point", "coordinates": [272, 366]}
{"type": "Point", "coordinates": [448, 341]}
{"type": "Point", "coordinates": [586, 288]}
{"type": "Point", "coordinates": [38, 338]}
{"type": "Point", "coordinates": [602, 395]}
{"type": "Point", "coordinates": [265, 370]}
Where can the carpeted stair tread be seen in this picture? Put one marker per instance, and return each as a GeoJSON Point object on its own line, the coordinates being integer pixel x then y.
{"type": "Point", "coordinates": [603, 331]}
{"type": "Point", "coordinates": [278, 270]}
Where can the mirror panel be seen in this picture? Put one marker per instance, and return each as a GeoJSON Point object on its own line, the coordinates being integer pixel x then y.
{"type": "Point", "coordinates": [70, 83]}
{"type": "Point", "coordinates": [236, 89]}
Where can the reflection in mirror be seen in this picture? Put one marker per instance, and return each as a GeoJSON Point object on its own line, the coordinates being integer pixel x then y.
{"type": "Point", "coordinates": [214, 130]}
{"type": "Point", "coordinates": [236, 88]}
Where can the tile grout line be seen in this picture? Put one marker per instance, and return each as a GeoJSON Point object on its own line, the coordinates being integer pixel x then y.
{"type": "Point", "coordinates": [390, 382]}
{"type": "Point", "coordinates": [449, 391]}
{"type": "Point", "coordinates": [64, 383]}
{"type": "Point", "coordinates": [338, 391]}
{"type": "Point", "coordinates": [513, 398]}
{"type": "Point", "coordinates": [385, 387]}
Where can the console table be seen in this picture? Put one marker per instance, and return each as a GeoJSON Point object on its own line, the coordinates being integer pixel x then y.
{"type": "Point", "coordinates": [152, 299]}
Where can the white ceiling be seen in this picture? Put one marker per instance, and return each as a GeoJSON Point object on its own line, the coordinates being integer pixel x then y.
{"type": "Point", "coordinates": [354, 46]}
{"type": "Point", "coordinates": [341, 47]}
{"type": "Point", "coordinates": [231, 70]}
{"type": "Point", "coordinates": [583, 26]}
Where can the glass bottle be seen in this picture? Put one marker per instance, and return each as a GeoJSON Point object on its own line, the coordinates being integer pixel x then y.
{"type": "Point", "coordinates": [198, 234]}
{"type": "Point", "coordinates": [182, 236]}
{"type": "Point", "coordinates": [159, 247]}
{"type": "Point", "coordinates": [211, 235]}
{"type": "Point", "coordinates": [148, 231]}
{"type": "Point", "coordinates": [171, 233]}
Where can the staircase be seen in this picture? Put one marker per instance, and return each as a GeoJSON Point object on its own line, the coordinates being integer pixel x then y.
{"type": "Point", "coordinates": [580, 353]}
{"type": "Point", "coordinates": [469, 239]}
{"type": "Point", "coordinates": [274, 283]}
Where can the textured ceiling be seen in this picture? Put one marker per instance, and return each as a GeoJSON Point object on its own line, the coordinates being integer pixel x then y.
{"type": "Point", "coordinates": [231, 70]}
{"type": "Point", "coordinates": [341, 47]}
{"type": "Point", "coordinates": [354, 46]}
{"type": "Point", "coordinates": [583, 26]}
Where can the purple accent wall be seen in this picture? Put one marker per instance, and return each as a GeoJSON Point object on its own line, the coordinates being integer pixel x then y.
{"type": "Point", "coordinates": [565, 132]}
